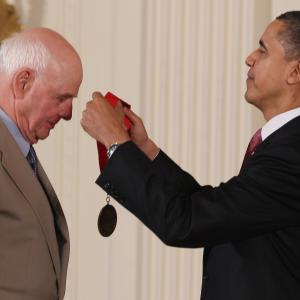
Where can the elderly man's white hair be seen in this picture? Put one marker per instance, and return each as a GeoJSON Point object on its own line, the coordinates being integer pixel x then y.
{"type": "Point", "coordinates": [18, 51]}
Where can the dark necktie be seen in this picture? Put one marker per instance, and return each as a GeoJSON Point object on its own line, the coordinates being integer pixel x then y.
{"type": "Point", "coordinates": [253, 144]}
{"type": "Point", "coordinates": [32, 159]}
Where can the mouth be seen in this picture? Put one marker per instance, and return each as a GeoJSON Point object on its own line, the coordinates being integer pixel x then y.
{"type": "Point", "coordinates": [250, 76]}
{"type": "Point", "coordinates": [51, 124]}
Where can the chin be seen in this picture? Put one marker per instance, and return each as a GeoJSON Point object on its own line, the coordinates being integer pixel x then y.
{"type": "Point", "coordinates": [254, 101]}
{"type": "Point", "coordinates": [43, 136]}
{"type": "Point", "coordinates": [247, 98]}
{"type": "Point", "coordinates": [250, 99]}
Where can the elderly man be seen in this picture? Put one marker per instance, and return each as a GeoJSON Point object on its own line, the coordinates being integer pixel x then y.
{"type": "Point", "coordinates": [40, 74]}
{"type": "Point", "coordinates": [250, 225]}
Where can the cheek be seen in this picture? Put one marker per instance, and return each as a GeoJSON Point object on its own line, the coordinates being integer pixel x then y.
{"type": "Point", "coordinates": [266, 74]}
{"type": "Point", "coordinates": [38, 119]}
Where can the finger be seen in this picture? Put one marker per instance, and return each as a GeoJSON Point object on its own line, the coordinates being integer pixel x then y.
{"type": "Point", "coordinates": [119, 106]}
{"type": "Point", "coordinates": [83, 114]}
{"type": "Point", "coordinates": [82, 124]}
{"type": "Point", "coordinates": [89, 103]}
{"type": "Point", "coordinates": [134, 118]}
{"type": "Point", "coordinates": [97, 95]}
{"type": "Point", "coordinates": [119, 113]}
{"type": "Point", "coordinates": [119, 109]}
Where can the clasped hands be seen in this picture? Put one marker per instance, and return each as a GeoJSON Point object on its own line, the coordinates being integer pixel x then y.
{"type": "Point", "coordinates": [105, 124]}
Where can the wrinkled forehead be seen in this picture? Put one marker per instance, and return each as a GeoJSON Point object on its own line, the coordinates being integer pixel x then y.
{"type": "Point", "coordinates": [61, 81]}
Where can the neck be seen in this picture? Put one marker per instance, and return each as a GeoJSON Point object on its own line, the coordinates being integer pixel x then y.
{"type": "Point", "coordinates": [269, 114]}
{"type": "Point", "coordinates": [6, 106]}
{"type": "Point", "coordinates": [284, 104]}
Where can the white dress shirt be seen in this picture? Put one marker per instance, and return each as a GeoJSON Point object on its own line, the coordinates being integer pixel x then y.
{"type": "Point", "coordinates": [278, 121]}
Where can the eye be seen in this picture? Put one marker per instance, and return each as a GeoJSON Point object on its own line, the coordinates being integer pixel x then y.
{"type": "Point", "coordinates": [62, 98]}
{"type": "Point", "coordinates": [262, 49]}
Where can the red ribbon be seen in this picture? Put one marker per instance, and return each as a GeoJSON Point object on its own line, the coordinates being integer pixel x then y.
{"type": "Point", "coordinates": [102, 151]}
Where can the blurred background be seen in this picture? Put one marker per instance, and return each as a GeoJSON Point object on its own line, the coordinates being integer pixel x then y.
{"type": "Point", "coordinates": [180, 64]}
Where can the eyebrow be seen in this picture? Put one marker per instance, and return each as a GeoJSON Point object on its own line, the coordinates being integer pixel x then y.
{"type": "Point", "coordinates": [262, 44]}
{"type": "Point", "coordinates": [68, 95]}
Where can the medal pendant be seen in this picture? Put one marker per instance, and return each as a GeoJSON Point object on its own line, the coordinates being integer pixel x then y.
{"type": "Point", "coordinates": [107, 220]}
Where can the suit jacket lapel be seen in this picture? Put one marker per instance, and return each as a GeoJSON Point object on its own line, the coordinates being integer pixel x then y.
{"type": "Point", "coordinates": [18, 169]}
{"type": "Point", "coordinates": [61, 224]}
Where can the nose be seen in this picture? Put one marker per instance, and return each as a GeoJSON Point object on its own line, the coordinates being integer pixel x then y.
{"type": "Point", "coordinates": [66, 110]}
{"type": "Point", "coordinates": [250, 60]}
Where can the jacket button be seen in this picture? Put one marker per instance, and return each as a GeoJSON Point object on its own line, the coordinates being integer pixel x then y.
{"type": "Point", "coordinates": [121, 199]}
{"type": "Point", "coordinates": [107, 186]}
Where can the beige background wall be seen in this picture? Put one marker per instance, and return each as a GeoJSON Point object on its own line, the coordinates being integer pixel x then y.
{"type": "Point", "coordinates": [180, 63]}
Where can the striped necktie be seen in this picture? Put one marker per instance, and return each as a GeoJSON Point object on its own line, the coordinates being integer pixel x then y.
{"type": "Point", "coordinates": [32, 159]}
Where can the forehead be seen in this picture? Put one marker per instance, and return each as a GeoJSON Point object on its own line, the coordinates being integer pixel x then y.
{"type": "Point", "coordinates": [272, 41]}
{"type": "Point", "coordinates": [61, 76]}
{"type": "Point", "coordinates": [272, 31]}
{"type": "Point", "coordinates": [58, 86]}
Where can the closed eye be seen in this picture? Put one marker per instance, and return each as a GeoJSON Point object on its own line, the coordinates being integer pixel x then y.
{"type": "Point", "coordinates": [63, 98]}
{"type": "Point", "coordinates": [262, 47]}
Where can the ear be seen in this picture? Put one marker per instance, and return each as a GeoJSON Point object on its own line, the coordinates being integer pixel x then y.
{"type": "Point", "coordinates": [22, 82]}
{"type": "Point", "coordinates": [294, 75]}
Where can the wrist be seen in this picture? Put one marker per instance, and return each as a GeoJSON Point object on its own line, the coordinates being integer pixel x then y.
{"type": "Point", "coordinates": [150, 149]}
{"type": "Point", "coordinates": [116, 139]}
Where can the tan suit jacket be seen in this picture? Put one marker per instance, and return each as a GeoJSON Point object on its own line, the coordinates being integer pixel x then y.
{"type": "Point", "coordinates": [34, 239]}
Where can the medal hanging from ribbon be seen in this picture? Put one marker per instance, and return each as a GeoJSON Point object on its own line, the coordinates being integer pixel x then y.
{"type": "Point", "coordinates": [107, 220]}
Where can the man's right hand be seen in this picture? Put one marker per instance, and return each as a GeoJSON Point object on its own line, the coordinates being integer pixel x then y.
{"type": "Point", "coordinates": [104, 123]}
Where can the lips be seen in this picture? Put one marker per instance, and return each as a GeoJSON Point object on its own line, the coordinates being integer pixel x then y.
{"type": "Point", "coordinates": [250, 75]}
{"type": "Point", "coordinates": [52, 124]}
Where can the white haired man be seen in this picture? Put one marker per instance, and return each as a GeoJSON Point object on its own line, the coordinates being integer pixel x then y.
{"type": "Point", "coordinates": [40, 74]}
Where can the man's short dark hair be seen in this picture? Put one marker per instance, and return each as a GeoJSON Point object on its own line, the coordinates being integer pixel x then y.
{"type": "Point", "coordinates": [290, 35]}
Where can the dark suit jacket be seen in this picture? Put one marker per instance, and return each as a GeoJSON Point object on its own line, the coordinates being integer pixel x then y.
{"type": "Point", "coordinates": [34, 239]}
{"type": "Point", "coordinates": [249, 226]}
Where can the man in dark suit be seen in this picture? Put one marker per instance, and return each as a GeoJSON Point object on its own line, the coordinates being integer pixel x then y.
{"type": "Point", "coordinates": [40, 73]}
{"type": "Point", "coordinates": [250, 225]}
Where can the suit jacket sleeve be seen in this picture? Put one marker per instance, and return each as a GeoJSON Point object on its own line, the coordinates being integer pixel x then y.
{"type": "Point", "coordinates": [264, 197]}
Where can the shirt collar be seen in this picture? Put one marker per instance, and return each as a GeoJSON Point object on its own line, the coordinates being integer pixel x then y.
{"type": "Point", "coordinates": [278, 121]}
{"type": "Point", "coordinates": [15, 132]}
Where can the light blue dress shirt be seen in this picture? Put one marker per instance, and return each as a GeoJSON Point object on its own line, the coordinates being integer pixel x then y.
{"type": "Point", "coordinates": [15, 132]}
